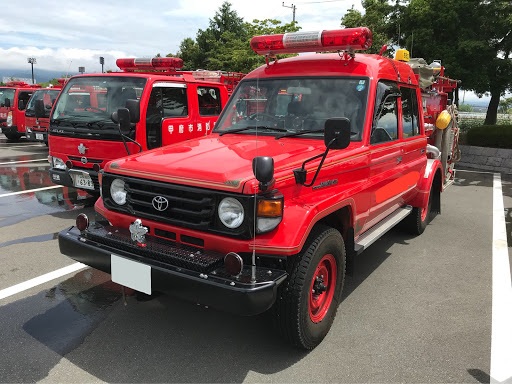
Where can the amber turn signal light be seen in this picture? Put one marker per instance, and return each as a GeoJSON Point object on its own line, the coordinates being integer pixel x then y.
{"type": "Point", "coordinates": [270, 208]}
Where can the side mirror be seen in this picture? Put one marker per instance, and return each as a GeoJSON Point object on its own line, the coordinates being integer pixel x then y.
{"type": "Point", "coordinates": [263, 169]}
{"type": "Point", "coordinates": [337, 133]}
{"type": "Point", "coordinates": [134, 108]}
{"type": "Point", "coordinates": [39, 108]}
{"type": "Point", "coordinates": [122, 117]}
{"type": "Point", "coordinates": [21, 105]}
{"type": "Point", "coordinates": [7, 103]}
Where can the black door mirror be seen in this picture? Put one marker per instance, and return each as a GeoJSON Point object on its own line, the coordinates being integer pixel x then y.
{"type": "Point", "coordinates": [7, 103]}
{"type": "Point", "coordinates": [21, 105]}
{"type": "Point", "coordinates": [122, 117]}
{"type": "Point", "coordinates": [134, 108]}
{"type": "Point", "coordinates": [337, 133]}
{"type": "Point", "coordinates": [263, 169]}
{"type": "Point", "coordinates": [39, 108]}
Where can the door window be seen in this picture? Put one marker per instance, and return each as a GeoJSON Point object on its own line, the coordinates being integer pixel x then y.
{"type": "Point", "coordinates": [209, 101]}
{"type": "Point", "coordinates": [163, 103]}
{"type": "Point", "coordinates": [385, 123]}
{"type": "Point", "coordinates": [409, 112]}
{"type": "Point", "coordinates": [25, 97]}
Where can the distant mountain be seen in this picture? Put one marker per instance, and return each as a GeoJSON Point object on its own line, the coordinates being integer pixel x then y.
{"type": "Point", "coordinates": [40, 75]}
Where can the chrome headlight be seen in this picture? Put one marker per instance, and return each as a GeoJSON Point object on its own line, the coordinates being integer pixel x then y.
{"type": "Point", "coordinates": [58, 163]}
{"type": "Point", "coordinates": [118, 192]}
{"type": "Point", "coordinates": [29, 130]}
{"type": "Point", "coordinates": [8, 122]}
{"type": "Point", "coordinates": [231, 212]}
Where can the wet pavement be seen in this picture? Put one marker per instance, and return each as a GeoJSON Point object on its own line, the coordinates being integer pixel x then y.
{"type": "Point", "coordinates": [417, 309]}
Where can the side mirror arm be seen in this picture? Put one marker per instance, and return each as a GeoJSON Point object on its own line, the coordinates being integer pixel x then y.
{"type": "Point", "coordinates": [301, 173]}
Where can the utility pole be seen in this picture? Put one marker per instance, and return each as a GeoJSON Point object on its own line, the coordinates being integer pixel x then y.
{"type": "Point", "coordinates": [32, 61]}
{"type": "Point", "coordinates": [293, 7]}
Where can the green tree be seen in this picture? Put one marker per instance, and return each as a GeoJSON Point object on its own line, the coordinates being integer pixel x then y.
{"type": "Point", "coordinates": [465, 108]}
{"type": "Point", "coordinates": [505, 105]}
{"type": "Point", "coordinates": [473, 38]}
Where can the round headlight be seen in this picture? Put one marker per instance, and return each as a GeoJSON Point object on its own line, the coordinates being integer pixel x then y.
{"type": "Point", "coordinates": [118, 192]}
{"type": "Point", "coordinates": [231, 212]}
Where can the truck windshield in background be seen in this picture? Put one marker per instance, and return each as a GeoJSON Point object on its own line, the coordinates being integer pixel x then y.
{"type": "Point", "coordinates": [7, 93]}
{"type": "Point", "coordinates": [48, 96]}
{"type": "Point", "coordinates": [86, 103]}
{"type": "Point", "coordinates": [295, 106]}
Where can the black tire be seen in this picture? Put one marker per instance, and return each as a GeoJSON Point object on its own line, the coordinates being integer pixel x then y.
{"type": "Point", "coordinates": [12, 136]}
{"type": "Point", "coordinates": [294, 312]}
{"type": "Point", "coordinates": [418, 220]}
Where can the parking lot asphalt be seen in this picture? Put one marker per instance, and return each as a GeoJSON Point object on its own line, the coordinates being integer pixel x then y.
{"type": "Point", "coordinates": [417, 309]}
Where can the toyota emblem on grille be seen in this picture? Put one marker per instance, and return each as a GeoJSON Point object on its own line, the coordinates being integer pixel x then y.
{"type": "Point", "coordinates": [160, 203]}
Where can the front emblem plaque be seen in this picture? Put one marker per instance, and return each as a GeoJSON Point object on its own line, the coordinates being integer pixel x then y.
{"type": "Point", "coordinates": [82, 148]}
{"type": "Point", "coordinates": [160, 203]}
{"type": "Point", "coordinates": [138, 232]}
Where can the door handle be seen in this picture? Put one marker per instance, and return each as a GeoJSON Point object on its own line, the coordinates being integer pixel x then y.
{"type": "Point", "coordinates": [398, 159]}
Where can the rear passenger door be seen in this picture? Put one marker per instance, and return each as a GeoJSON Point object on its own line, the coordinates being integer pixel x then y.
{"type": "Point", "coordinates": [168, 115]}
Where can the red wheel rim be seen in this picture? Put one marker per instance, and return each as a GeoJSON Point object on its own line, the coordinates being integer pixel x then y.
{"type": "Point", "coordinates": [322, 288]}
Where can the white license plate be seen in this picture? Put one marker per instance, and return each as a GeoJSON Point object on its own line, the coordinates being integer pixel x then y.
{"type": "Point", "coordinates": [131, 274]}
{"type": "Point", "coordinates": [39, 136]}
{"type": "Point", "coordinates": [82, 180]}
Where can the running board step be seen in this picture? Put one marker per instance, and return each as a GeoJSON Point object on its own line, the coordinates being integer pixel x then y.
{"type": "Point", "coordinates": [375, 232]}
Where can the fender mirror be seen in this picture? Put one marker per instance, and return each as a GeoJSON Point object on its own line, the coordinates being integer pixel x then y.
{"type": "Point", "coordinates": [263, 169]}
{"type": "Point", "coordinates": [337, 133]}
{"type": "Point", "coordinates": [122, 117]}
{"type": "Point", "coordinates": [134, 108]}
{"type": "Point", "coordinates": [39, 108]}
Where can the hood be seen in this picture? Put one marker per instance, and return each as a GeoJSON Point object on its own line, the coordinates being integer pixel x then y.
{"type": "Point", "coordinates": [220, 162]}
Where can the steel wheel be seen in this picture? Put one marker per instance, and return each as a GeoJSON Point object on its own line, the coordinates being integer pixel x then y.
{"type": "Point", "coordinates": [322, 288]}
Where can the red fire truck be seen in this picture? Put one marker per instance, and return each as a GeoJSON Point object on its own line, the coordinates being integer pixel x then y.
{"type": "Point", "coordinates": [13, 100]}
{"type": "Point", "coordinates": [166, 106]}
{"type": "Point", "coordinates": [268, 210]}
{"type": "Point", "coordinates": [37, 113]}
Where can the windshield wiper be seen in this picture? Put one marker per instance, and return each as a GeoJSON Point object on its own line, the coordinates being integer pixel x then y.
{"type": "Point", "coordinates": [253, 127]}
{"type": "Point", "coordinates": [292, 134]}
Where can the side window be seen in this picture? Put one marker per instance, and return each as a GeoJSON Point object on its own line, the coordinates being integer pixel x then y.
{"type": "Point", "coordinates": [154, 119]}
{"type": "Point", "coordinates": [174, 102]}
{"type": "Point", "coordinates": [409, 112]}
{"type": "Point", "coordinates": [25, 97]}
{"type": "Point", "coordinates": [385, 120]}
{"type": "Point", "coordinates": [209, 101]}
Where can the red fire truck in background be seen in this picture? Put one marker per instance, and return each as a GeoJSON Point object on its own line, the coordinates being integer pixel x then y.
{"type": "Point", "coordinates": [37, 113]}
{"type": "Point", "coordinates": [311, 161]}
{"type": "Point", "coordinates": [165, 106]}
{"type": "Point", "coordinates": [14, 97]}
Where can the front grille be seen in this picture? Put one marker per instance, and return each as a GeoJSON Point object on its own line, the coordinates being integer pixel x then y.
{"type": "Point", "coordinates": [93, 161]}
{"type": "Point", "coordinates": [189, 207]}
{"type": "Point", "coordinates": [164, 251]}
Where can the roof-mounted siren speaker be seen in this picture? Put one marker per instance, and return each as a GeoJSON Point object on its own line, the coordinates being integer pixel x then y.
{"type": "Point", "coordinates": [155, 63]}
{"type": "Point", "coordinates": [348, 39]}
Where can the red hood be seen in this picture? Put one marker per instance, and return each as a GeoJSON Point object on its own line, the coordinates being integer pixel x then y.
{"type": "Point", "coordinates": [220, 162]}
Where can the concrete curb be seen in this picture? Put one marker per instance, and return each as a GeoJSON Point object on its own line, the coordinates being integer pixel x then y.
{"type": "Point", "coordinates": [486, 159]}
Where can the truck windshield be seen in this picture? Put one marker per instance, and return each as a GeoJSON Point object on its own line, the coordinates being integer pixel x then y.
{"type": "Point", "coordinates": [87, 102]}
{"type": "Point", "coordinates": [7, 93]}
{"type": "Point", "coordinates": [298, 107]}
{"type": "Point", "coordinates": [47, 95]}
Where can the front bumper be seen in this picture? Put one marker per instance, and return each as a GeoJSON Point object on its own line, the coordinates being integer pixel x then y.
{"type": "Point", "coordinates": [32, 136]}
{"type": "Point", "coordinates": [191, 273]}
{"type": "Point", "coordinates": [10, 130]}
{"type": "Point", "coordinates": [62, 177]}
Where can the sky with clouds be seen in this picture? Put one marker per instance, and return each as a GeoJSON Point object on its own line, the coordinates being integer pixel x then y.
{"type": "Point", "coordinates": [63, 35]}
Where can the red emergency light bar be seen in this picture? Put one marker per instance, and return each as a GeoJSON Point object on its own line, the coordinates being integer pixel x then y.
{"type": "Point", "coordinates": [319, 41]}
{"type": "Point", "coordinates": [155, 63]}
{"type": "Point", "coordinates": [16, 84]}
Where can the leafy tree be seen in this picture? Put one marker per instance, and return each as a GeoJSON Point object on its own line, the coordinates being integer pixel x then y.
{"type": "Point", "coordinates": [473, 38]}
{"type": "Point", "coordinates": [378, 17]}
{"type": "Point", "coordinates": [52, 82]}
{"type": "Point", "coordinates": [505, 105]}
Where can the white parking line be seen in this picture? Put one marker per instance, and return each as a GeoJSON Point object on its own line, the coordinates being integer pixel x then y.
{"type": "Point", "coordinates": [22, 145]}
{"type": "Point", "coordinates": [501, 339]}
{"type": "Point", "coordinates": [23, 161]}
{"type": "Point", "coordinates": [30, 190]}
{"type": "Point", "coordinates": [40, 280]}
{"type": "Point", "coordinates": [467, 170]}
